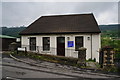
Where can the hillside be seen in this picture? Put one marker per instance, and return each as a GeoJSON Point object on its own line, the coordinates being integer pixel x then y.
{"type": "Point", "coordinates": [107, 30]}
{"type": "Point", "coordinates": [110, 30]}
{"type": "Point", "coordinates": [12, 31]}
{"type": "Point", "coordinates": [109, 27]}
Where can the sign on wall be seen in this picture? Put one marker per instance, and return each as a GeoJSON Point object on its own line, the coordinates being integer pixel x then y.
{"type": "Point", "coordinates": [70, 44]}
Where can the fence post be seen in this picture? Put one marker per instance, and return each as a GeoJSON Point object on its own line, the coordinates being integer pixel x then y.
{"type": "Point", "coordinates": [82, 56]}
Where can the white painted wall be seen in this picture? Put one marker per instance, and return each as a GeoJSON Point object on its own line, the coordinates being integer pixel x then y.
{"type": "Point", "coordinates": [96, 46]}
{"type": "Point", "coordinates": [70, 51]}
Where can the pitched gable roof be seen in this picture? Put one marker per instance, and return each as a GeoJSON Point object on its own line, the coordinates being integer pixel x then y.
{"type": "Point", "coordinates": [78, 23]}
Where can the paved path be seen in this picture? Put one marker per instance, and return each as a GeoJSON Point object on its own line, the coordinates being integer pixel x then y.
{"type": "Point", "coordinates": [14, 69]}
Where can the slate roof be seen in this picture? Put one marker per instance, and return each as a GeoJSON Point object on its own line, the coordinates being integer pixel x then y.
{"type": "Point", "coordinates": [57, 24]}
{"type": "Point", "coordinates": [5, 36]}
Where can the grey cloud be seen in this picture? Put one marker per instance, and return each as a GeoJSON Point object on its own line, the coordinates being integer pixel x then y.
{"type": "Point", "coordinates": [24, 13]}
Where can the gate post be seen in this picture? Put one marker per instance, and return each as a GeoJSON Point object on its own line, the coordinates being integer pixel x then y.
{"type": "Point", "coordinates": [107, 56]}
{"type": "Point", "coordinates": [82, 56]}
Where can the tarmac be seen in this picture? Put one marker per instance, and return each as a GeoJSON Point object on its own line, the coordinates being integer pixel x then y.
{"type": "Point", "coordinates": [59, 67]}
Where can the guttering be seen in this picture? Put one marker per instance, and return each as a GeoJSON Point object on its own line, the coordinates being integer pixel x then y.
{"type": "Point", "coordinates": [91, 46]}
{"type": "Point", "coordinates": [49, 33]}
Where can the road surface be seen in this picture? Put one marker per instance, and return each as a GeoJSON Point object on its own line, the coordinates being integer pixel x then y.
{"type": "Point", "coordinates": [18, 70]}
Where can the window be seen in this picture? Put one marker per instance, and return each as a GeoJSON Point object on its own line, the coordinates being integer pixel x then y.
{"type": "Point", "coordinates": [32, 43]}
{"type": "Point", "coordinates": [78, 42]}
{"type": "Point", "coordinates": [46, 43]}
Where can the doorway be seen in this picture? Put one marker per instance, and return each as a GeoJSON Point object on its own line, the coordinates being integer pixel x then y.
{"type": "Point", "coordinates": [61, 46]}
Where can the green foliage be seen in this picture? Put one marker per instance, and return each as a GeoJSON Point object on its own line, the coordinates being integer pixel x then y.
{"type": "Point", "coordinates": [110, 33]}
{"type": "Point", "coordinates": [107, 41]}
{"type": "Point", "coordinates": [110, 37]}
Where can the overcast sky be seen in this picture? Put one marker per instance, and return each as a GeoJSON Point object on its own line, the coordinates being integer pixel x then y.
{"type": "Point", "coordinates": [24, 13]}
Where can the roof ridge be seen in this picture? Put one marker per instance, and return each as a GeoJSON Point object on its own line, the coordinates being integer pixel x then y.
{"type": "Point", "coordinates": [67, 15]}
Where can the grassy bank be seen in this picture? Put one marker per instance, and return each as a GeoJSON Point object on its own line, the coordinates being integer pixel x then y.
{"type": "Point", "coordinates": [49, 58]}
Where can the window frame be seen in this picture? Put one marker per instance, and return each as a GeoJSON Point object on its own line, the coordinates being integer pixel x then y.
{"type": "Point", "coordinates": [46, 42]}
{"type": "Point", "coordinates": [79, 44]}
{"type": "Point", "coordinates": [32, 44]}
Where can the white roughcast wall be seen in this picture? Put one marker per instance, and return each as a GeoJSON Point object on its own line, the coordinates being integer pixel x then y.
{"type": "Point", "coordinates": [69, 51]}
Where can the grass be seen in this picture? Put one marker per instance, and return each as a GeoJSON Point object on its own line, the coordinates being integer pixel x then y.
{"type": "Point", "coordinates": [55, 59]}
{"type": "Point", "coordinates": [91, 60]}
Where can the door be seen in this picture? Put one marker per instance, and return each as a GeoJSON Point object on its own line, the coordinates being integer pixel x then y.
{"type": "Point", "coordinates": [61, 46]}
{"type": "Point", "coordinates": [33, 43]}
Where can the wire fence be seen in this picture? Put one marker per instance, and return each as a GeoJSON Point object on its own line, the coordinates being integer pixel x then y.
{"type": "Point", "coordinates": [51, 51]}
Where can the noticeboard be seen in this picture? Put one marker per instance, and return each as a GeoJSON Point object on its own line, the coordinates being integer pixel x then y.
{"type": "Point", "coordinates": [70, 43]}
